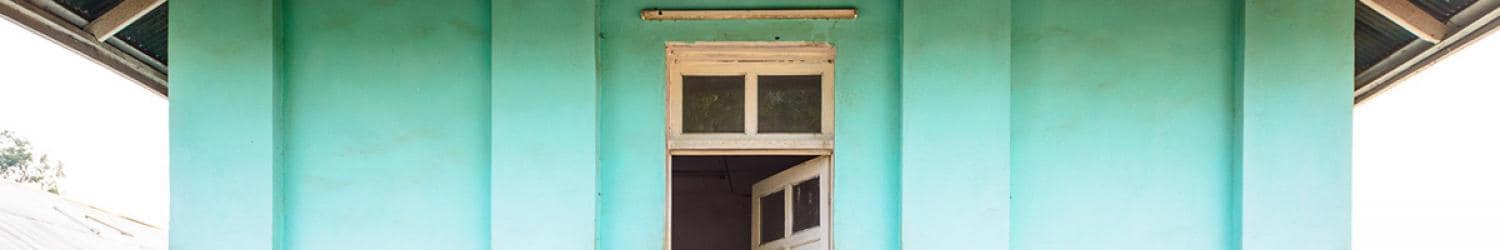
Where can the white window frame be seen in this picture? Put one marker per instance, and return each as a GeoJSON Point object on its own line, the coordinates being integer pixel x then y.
{"type": "Point", "coordinates": [751, 60]}
{"type": "Point", "coordinates": [786, 182]}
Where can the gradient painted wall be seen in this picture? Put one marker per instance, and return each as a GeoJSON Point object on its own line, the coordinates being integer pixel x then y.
{"type": "Point", "coordinates": [965, 124]}
{"type": "Point", "coordinates": [1131, 145]}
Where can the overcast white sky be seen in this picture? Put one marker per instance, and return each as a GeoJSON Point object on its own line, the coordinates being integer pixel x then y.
{"type": "Point", "coordinates": [1427, 157]}
{"type": "Point", "coordinates": [110, 134]}
{"type": "Point", "coordinates": [1426, 175]}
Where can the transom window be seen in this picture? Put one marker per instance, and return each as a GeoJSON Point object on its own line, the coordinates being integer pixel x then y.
{"type": "Point", "coordinates": [750, 95]}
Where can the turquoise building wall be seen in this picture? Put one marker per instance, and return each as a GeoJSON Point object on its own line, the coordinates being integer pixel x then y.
{"type": "Point", "coordinates": [514, 124]}
{"type": "Point", "coordinates": [1130, 145]}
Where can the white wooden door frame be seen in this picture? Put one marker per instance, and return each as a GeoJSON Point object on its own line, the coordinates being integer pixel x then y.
{"type": "Point", "coordinates": [826, 187]}
{"type": "Point", "coordinates": [752, 59]}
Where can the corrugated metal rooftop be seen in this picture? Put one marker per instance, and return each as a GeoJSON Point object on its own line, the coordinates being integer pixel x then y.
{"type": "Point", "coordinates": [1389, 37]}
{"type": "Point", "coordinates": [34, 219]}
{"type": "Point", "coordinates": [147, 34]}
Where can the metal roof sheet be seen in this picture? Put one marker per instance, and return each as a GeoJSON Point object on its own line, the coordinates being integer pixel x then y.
{"type": "Point", "coordinates": [1375, 38]}
{"type": "Point", "coordinates": [34, 219]}
{"type": "Point", "coordinates": [89, 9]}
{"type": "Point", "coordinates": [1442, 9]}
{"type": "Point", "coordinates": [148, 34]}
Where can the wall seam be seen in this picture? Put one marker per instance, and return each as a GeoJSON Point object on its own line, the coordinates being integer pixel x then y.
{"type": "Point", "coordinates": [1237, 134]}
{"type": "Point", "coordinates": [278, 129]}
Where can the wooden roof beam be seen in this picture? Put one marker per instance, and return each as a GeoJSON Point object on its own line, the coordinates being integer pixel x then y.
{"type": "Point", "coordinates": [1410, 17]}
{"type": "Point", "coordinates": [122, 15]}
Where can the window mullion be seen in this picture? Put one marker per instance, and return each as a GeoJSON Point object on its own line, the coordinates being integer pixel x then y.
{"type": "Point", "coordinates": [752, 98]}
{"type": "Point", "coordinates": [787, 219]}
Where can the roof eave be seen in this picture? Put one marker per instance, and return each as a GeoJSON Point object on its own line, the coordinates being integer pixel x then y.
{"type": "Point", "coordinates": [108, 52]}
{"type": "Point", "coordinates": [1467, 26]}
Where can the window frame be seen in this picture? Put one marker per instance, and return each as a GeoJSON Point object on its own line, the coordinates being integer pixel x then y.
{"type": "Point", "coordinates": [751, 60]}
{"type": "Point", "coordinates": [820, 168]}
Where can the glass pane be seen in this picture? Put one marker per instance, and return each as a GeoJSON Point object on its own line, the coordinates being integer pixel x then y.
{"type": "Point", "coordinates": [790, 104]}
{"type": "Point", "coordinates": [772, 216]}
{"type": "Point", "coordinates": [805, 205]}
{"type": "Point", "coordinates": [713, 104]}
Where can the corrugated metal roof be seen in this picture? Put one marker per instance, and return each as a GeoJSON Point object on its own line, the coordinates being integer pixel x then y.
{"type": "Point", "coordinates": [1375, 38]}
{"type": "Point", "coordinates": [149, 34]}
{"type": "Point", "coordinates": [1385, 54]}
{"type": "Point", "coordinates": [1442, 9]}
{"type": "Point", "coordinates": [89, 9]}
{"type": "Point", "coordinates": [34, 219]}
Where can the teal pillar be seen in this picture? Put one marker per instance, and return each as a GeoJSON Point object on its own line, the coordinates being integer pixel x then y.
{"type": "Point", "coordinates": [1294, 120]}
{"type": "Point", "coordinates": [545, 116]}
{"type": "Point", "coordinates": [1122, 127]}
{"type": "Point", "coordinates": [955, 112]}
{"type": "Point", "coordinates": [225, 124]}
{"type": "Point", "coordinates": [387, 124]}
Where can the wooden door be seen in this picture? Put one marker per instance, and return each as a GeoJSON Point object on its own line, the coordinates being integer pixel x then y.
{"type": "Point", "coordinates": [789, 210]}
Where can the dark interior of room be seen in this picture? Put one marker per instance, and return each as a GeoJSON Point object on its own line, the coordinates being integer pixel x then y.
{"type": "Point", "coordinates": [711, 198]}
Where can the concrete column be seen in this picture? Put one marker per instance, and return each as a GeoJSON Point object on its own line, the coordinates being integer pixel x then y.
{"type": "Point", "coordinates": [225, 124]}
{"type": "Point", "coordinates": [1294, 95]}
{"type": "Point", "coordinates": [545, 125]}
{"type": "Point", "coordinates": [955, 133]}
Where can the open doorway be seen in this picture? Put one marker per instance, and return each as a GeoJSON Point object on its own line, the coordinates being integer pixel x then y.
{"type": "Point", "coordinates": [750, 131]}
{"type": "Point", "coordinates": [770, 202]}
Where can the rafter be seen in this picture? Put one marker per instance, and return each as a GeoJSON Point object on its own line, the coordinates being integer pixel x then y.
{"type": "Point", "coordinates": [1410, 17]}
{"type": "Point", "coordinates": [120, 16]}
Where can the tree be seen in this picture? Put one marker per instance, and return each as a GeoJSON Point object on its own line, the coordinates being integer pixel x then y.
{"type": "Point", "coordinates": [19, 164]}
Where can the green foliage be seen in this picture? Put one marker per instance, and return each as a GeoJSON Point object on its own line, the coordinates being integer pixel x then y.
{"type": "Point", "coordinates": [19, 164]}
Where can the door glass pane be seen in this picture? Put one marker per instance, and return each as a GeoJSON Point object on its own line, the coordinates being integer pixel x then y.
{"type": "Point", "coordinates": [790, 104]}
{"type": "Point", "coordinates": [772, 216]}
{"type": "Point", "coordinates": [805, 205]}
{"type": "Point", "coordinates": [713, 104]}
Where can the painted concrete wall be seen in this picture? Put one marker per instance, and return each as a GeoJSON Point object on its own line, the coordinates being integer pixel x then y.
{"type": "Point", "coordinates": [385, 150]}
{"type": "Point", "coordinates": [956, 95]}
{"type": "Point", "coordinates": [1294, 117]}
{"type": "Point", "coordinates": [1019, 124]}
{"type": "Point", "coordinates": [1130, 145]}
{"type": "Point", "coordinates": [544, 125]}
{"type": "Point", "coordinates": [225, 125]}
